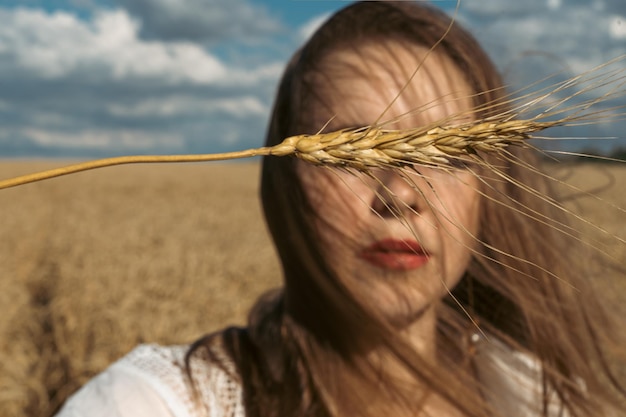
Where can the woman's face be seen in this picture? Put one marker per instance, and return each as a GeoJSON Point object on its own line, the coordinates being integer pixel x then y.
{"type": "Point", "coordinates": [399, 241]}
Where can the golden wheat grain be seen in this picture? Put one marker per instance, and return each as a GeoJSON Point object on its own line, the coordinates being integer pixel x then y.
{"type": "Point", "coordinates": [362, 148]}
{"type": "Point", "coordinates": [434, 145]}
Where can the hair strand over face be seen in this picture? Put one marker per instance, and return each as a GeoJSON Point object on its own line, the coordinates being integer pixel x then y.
{"type": "Point", "coordinates": [305, 350]}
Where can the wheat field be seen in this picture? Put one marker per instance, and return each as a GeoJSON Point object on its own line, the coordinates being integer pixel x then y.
{"type": "Point", "coordinates": [95, 263]}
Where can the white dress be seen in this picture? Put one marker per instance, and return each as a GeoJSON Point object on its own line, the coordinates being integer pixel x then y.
{"type": "Point", "coordinates": [151, 382]}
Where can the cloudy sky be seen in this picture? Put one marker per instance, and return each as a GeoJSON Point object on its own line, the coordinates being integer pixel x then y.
{"type": "Point", "coordinates": [94, 78]}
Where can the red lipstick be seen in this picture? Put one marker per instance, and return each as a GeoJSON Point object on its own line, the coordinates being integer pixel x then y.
{"type": "Point", "coordinates": [394, 254]}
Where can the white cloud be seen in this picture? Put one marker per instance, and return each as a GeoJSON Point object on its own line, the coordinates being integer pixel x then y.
{"type": "Point", "coordinates": [501, 7]}
{"type": "Point", "coordinates": [618, 27]}
{"type": "Point", "coordinates": [531, 40]}
{"type": "Point", "coordinates": [578, 36]}
{"type": "Point", "coordinates": [237, 107]}
{"type": "Point", "coordinates": [554, 4]}
{"type": "Point", "coordinates": [61, 45]}
{"type": "Point", "coordinates": [203, 21]}
{"type": "Point", "coordinates": [95, 84]}
{"type": "Point", "coordinates": [91, 138]}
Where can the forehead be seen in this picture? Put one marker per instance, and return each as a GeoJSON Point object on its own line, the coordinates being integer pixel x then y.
{"type": "Point", "coordinates": [379, 82]}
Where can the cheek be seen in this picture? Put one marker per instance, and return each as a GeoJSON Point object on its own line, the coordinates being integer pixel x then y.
{"type": "Point", "coordinates": [461, 213]}
{"type": "Point", "coordinates": [459, 208]}
{"type": "Point", "coordinates": [339, 199]}
{"type": "Point", "coordinates": [455, 199]}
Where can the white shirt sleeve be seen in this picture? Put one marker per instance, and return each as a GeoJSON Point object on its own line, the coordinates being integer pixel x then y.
{"type": "Point", "coordinates": [116, 393]}
{"type": "Point", "coordinates": [152, 381]}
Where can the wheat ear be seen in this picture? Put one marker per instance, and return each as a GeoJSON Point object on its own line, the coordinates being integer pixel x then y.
{"type": "Point", "coordinates": [362, 148]}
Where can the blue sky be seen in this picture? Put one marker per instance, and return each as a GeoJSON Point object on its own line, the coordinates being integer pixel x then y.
{"type": "Point", "coordinates": [94, 78]}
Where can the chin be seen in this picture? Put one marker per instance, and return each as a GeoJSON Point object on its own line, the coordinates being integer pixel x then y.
{"type": "Point", "coordinates": [399, 309]}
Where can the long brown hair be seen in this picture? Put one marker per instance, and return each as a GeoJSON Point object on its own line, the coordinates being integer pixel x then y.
{"type": "Point", "coordinates": [303, 353]}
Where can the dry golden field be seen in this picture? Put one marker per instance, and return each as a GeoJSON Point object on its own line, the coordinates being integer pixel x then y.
{"type": "Point", "coordinates": [95, 263]}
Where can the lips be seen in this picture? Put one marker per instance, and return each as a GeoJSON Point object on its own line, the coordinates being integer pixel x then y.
{"type": "Point", "coordinates": [394, 254]}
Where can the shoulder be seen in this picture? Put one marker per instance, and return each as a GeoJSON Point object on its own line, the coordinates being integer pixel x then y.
{"type": "Point", "coordinates": [122, 390]}
{"type": "Point", "coordinates": [153, 381]}
{"type": "Point", "coordinates": [513, 381]}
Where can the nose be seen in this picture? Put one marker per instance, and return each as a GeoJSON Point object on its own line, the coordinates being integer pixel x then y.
{"type": "Point", "coordinates": [397, 194]}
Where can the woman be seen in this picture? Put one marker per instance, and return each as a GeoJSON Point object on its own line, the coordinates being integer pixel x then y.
{"type": "Point", "coordinates": [436, 291]}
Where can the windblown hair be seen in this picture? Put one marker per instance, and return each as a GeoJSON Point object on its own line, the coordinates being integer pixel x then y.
{"type": "Point", "coordinates": [304, 352]}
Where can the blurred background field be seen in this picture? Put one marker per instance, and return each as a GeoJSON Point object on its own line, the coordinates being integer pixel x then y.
{"type": "Point", "coordinates": [95, 263]}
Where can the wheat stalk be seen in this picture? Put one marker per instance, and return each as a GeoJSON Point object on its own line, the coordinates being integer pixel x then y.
{"type": "Point", "coordinates": [362, 148]}
{"type": "Point", "coordinates": [435, 145]}
{"type": "Point", "coordinates": [371, 147]}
